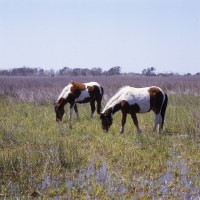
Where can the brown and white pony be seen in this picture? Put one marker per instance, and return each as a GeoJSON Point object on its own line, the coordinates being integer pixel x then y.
{"type": "Point", "coordinates": [79, 93]}
{"type": "Point", "coordinates": [132, 100]}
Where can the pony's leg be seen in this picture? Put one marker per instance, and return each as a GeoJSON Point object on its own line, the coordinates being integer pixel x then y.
{"type": "Point", "coordinates": [92, 105]}
{"type": "Point", "coordinates": [76, 111]}
{"type": "Point", "coordinates": [135, 121]}
{"type": "Point", "coordinates": [71, 110]}
{"type": "Point", "coordinates": [124, 115]}
{"type": "Point", "coordinates": [157, 121]}
{"type": "Point", "coordinates": [98, 100]}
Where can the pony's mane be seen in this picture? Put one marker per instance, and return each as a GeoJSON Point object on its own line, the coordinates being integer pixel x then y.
{"type": "Point", "coordinates": [114, 99]}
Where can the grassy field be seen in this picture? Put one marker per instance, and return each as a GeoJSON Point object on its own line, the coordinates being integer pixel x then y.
{"type": "Point", "coordinates": [43, 159]}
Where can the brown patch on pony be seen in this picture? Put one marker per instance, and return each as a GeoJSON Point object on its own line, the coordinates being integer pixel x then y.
{"type": "Point", "coordinates": [80, 86]}
{"type": "Point", "coordinates": [95, 93]}
{"type": "Point", "coordinates": [135, 107]}
{"type": "Point", "coordinates": [93, 90]}
{"type": "Point", "coordinates": [61, 102]}
{"type": "Point", "coordinates": [156, 99]}
{"type": "Point", "coordinates": [59, 108]}
{"type": "Point", "coordinates": [132, 110]}
{"type": "Point", "coordinates": [108, 112]}
{"type": "Point", "coordinates": [106, 119]}
{"type": "Point", "coordinates": [71, 99]}
{"type": "Point", "coordinates": [129, 108]}
{"type": "Point", "coordinates": [77, 88]}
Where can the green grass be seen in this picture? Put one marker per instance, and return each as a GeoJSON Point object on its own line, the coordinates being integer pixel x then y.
{"type": "Point", "coordinates": [34, 146]}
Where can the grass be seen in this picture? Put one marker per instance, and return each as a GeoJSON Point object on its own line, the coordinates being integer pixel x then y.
{"type": "Point", "coordinates": [41, 158]}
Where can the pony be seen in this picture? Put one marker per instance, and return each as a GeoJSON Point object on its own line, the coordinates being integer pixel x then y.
{"type": "Point", "coordinates": [79, 93]}
{"type": "Point", "coordinates": [132, 100]}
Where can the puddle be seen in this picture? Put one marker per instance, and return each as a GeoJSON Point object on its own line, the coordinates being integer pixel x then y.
{"type": "Point", "coordinates": [169, 183]}
{"type": "Point", "coordinates": [98, 176]}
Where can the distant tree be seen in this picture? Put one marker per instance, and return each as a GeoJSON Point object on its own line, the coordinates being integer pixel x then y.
{"type": "Point", "coordinates": [76, 72]}
{"type": "Point", "coordinates": [40, 72]}
{"type": "Point", "coordinates": [149, 71]}
{"type": "Point", "coordinates": [96, 71]}
{"type": "Point", "coordinates": [65, 71]}
{"type": "Point", "coordinates": [51, 72]}
{"type": "Point", "coordinates": [197, 74]}
{"type": "Point", "coordinates": [23, 71]}
{"type": "Point", "coordinates": [84, 72]}
{"type": "Point", "coordinates": [144, 71]}
{"type": "Point", "coordinates": [4, 73]}
{"type": "Point", "coordinates": [113, 71]}
{"type": "Point", "coordinates": [188, 74]}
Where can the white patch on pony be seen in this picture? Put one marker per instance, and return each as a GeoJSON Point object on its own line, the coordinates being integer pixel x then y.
{"type": "Point", "coordinates": [158, 121]}
{"type": "Point", "coordinates": [65, 92]}
{"type": "Point", "coordinates": [84, 94]}
{"type": "Point", "coordinates": [122, 129]}
{"type": "Point", "coordinates": [133, 96]}
{"type": "Point", "coordinates": [114, 100]}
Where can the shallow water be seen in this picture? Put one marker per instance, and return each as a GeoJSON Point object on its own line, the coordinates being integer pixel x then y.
{"type": "Point", "coordinates": [168, 184]}
{"type": "Point", "coordinates": [176, 182]}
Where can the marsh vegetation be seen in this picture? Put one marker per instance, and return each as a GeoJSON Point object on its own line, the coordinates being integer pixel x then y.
{"type": "Point", "coordinates": [41, 158]}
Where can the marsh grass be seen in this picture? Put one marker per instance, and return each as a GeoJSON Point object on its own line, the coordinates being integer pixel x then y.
{"type": "Point", "coordinates": [44, 159]}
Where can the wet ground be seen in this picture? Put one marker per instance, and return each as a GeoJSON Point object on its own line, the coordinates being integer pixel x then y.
{"type": "Point", "coordinates": [175, 183]}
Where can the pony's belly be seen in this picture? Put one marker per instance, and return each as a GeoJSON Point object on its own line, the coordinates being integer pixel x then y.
{"type": "Point", "coordinates": [83, 96]}
{"type": "Point", "coordinates": [144, 110]}
{"type": "Point", "coordinates": [86, 100]}
{"type": "Point", "coordinates": [142, 103]}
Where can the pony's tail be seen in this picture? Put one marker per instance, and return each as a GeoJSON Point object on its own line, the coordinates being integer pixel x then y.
{"type": "Point", "coordinates": [102, 90]}
{"type": "Point", "coordinates": [163, 109]}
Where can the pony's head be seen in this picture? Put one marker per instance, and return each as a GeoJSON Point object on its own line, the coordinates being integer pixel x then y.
{"type": "Point", "coordinates": [106, 121]}
{"type": "Point", "coordinates": [59, 110]}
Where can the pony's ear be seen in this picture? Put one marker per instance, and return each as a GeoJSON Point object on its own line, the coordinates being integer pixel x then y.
{"type": "Point", "coordinates": [72, 82]}
{"type": "Point", "coordinates": [56, 103]}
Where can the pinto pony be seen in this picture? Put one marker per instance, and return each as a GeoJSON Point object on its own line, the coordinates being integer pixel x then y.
{"type": "Point", "coordinates": [132, 100]}
{"type": "Point", "coordinates": [78, 93]}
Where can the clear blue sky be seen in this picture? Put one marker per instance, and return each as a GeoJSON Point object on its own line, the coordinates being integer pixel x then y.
{"type": "Point", "coordinates": [132, 34]}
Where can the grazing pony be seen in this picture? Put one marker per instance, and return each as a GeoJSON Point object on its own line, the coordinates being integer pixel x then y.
{"type": "Point", "coordinates": [79, 93]}
{"type": "Point", "coordinates": [132, 100]}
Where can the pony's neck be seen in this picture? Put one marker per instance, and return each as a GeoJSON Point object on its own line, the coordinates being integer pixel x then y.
{"type": "Point", "coordinates": [116, 108]}
{"type": "Point", "coordinates": [62, 102]}
{"type": "Point", "coordinates": [113, 110]}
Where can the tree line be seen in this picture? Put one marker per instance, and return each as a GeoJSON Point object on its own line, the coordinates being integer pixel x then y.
{"type": "Point", "coordinates": [66, 71]}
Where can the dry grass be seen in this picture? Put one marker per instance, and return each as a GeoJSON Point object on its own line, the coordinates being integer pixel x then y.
{"type": "Point", "coordinates": [47, 89]}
